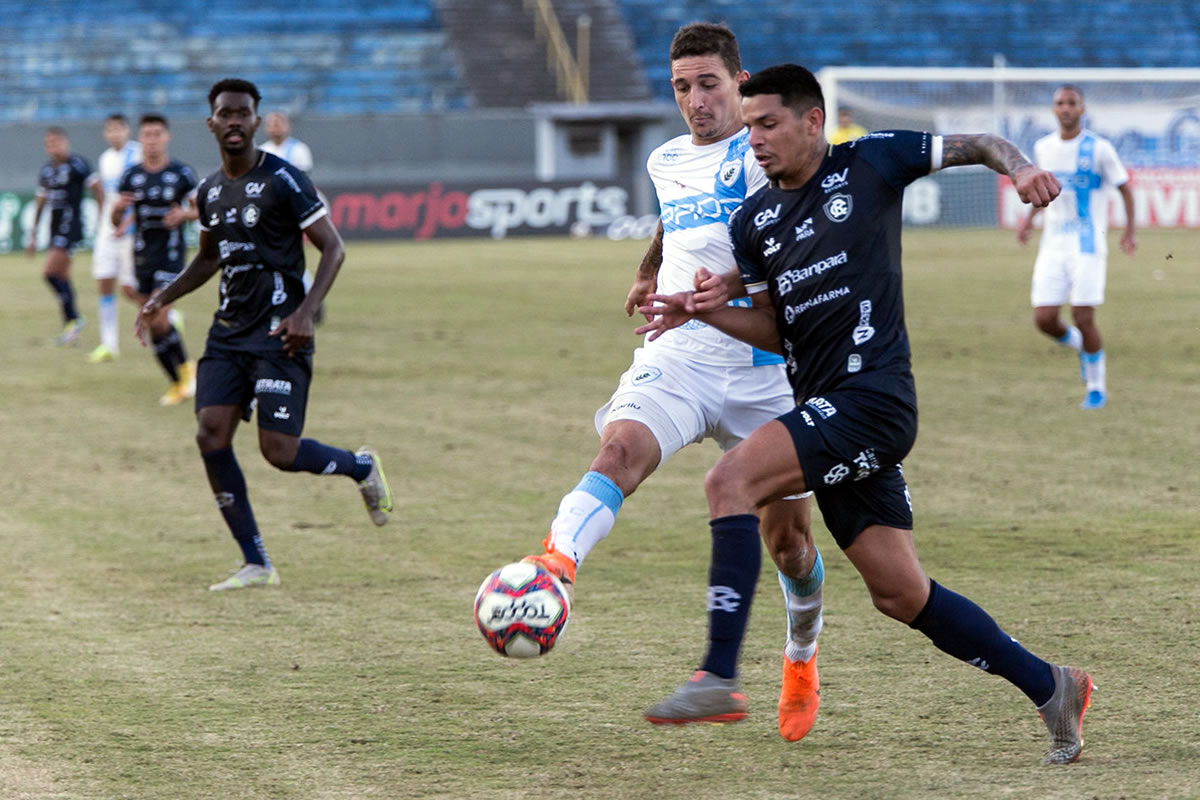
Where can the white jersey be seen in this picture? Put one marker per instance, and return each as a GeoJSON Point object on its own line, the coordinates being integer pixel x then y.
{"type": "Point", "coordinates": [698, 187]}
{"type": "Point", "coordinates": [1088, 168]}
{"type": "Point", "coordinates": [110, 167]}
{"type": "Point", "coordinates": [291, 150]}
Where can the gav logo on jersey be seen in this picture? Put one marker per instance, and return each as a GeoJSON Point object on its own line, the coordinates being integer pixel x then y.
{"type": "Point", "coordinates": [838, 207]}
{"type": "Point", "coordinates": [255, 188]}
{"type": "Point", "coordinates": [214, 192]}
{"type": "Point", "coordinates": [730, 171]}
{"type": "Point", "coordinates": [767, 216]}
{"type": "Point", "coordinates": [835, 180]}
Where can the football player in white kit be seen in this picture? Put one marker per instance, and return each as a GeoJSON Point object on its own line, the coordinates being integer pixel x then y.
{"type": "Point", "coordinates": [112, 252]}
{"type": "Point", "coordinates": [698, 383]}
{"type": "Point", "coordinates": [1073, 254]}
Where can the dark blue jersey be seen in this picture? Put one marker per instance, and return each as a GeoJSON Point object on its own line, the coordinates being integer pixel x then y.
{"type": "Point", "coordinates": [62, 184]}
{"type": "Point", "coordinates": [829, 255]}
{"type": "Point", "coordinates": [157, 247]}
{"type": "Point", "coordinates": [257, 223]}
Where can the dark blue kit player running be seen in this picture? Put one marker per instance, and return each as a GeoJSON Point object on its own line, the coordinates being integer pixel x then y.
{"type": "Point", "coordinates": [819, 252]}
{"type": "Point", "coordinates": [160, 190]}
{"type": "Point", "coordinates": [60, 186]}
{"type": "Point", "coordinates": [254, 213]}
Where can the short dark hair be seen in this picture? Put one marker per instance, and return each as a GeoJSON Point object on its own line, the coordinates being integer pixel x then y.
{"type": "Point", "coordinates": [1072, 88]}
{"type": "Point", "coordinates": [796, 86]}
{"type": "Point", "coordinates": [117, 117]}
{"type": "Point", "coordinates": [233, 85]}
{"type": "Point", "coordinates": [56, 130]}
{"type": "Point", "coordinates": [707, 39]}
{"type": "Point", "coordinates": [153, 119]}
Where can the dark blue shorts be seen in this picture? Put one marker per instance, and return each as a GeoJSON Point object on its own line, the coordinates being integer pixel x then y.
{"type": "Point", "coordinates": [850, 445]}
{"type": "Point", "coordinates": [66, 229]}
{"type": "Point", "coordinates": [148, 280]}
{"type": "Point", "coordinates": [277, 383]}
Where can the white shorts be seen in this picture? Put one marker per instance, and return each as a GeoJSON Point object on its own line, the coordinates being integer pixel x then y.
{"type": "Point", "coordinates": [1063, 275]}
{"type": "Point", "coordinates": [683, 402]}
{"type": "Point", "coordinates": [113, 258]}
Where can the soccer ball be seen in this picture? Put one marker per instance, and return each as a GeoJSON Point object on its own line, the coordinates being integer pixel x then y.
{"type": "Point", "coordinates": [521, 610]}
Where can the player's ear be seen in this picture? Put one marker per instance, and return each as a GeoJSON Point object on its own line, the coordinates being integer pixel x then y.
{"type": "Point", "coordinates": [815, 119]}
{"type": "Point", "coordinates": [742, 77]}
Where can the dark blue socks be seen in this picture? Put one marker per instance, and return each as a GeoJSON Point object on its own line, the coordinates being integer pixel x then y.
{"type": "Point", "coordinates": [229, 488]}
{"type": "Point", "coordinates": [964, 630]}
{"type": "Point", "coordinates": [168, 348]}
{"type": "Point", "coordinates": [732, 577]}
{"type": "Point", "coordinates": [321, 459]}
{"type": "Point", "coordinates": [66, 296]}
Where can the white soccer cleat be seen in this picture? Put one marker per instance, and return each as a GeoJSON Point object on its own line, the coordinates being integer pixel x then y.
{"type": "Point", "coordinates": [249, 576]}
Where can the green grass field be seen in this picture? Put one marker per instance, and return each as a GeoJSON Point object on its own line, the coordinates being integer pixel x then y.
{"type": "Point", "coordinates": [475, 369]}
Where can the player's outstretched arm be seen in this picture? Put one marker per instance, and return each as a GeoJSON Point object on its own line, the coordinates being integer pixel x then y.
{"type": "Point", "coordinates": [647, 274]}
{"type": "Point", "coordinates": [296, 329]}
{"type": "Point", "coordinates": [38, 205]}
{"type": "Point", "coordinates": [202, 267]}
{"type": "Point", "coordinates": [1034, 185]}
{"type": "Point", "coordinates": [1128, 240]}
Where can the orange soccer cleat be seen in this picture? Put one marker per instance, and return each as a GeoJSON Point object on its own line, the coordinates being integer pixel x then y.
{"type": "Point", "coordinates": [799, 698]}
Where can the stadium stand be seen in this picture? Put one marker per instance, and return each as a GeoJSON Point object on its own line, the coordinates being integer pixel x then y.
{"type": "Point", "coordinates": [66, 60]}
{"type": "Point", "coordinates": [959, 33]}
{"type": "Point", "coordinates": [75, 59]}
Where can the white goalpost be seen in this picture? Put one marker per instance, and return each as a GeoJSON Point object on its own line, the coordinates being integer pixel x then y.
{"type": "Point", "coordinates": [1152, 116]}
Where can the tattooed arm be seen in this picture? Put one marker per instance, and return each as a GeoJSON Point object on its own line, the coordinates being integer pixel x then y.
{"type": "Point", "coordinates": [1034, 186]}
{"type": "Point", "coordinates": [646, 279]}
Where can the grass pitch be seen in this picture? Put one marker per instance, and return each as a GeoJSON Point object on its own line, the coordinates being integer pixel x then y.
{"type": "Point", "coordinates": [475, 369]}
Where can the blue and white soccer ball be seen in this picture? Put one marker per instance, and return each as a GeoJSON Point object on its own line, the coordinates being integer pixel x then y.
{"type": "Point", "coordinates": [521, 610]}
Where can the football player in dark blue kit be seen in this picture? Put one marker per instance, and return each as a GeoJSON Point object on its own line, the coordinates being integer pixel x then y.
{"type": "Point", "coordinates": [60, 185]}
{"type": "Point", "coordinates": [819, 252]}
{"type": "Point", "coordinates": [161, 192]}
{"type": "Point", "coordinates": [254, 213]}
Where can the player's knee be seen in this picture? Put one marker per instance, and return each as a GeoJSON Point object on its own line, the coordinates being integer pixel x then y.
{"type": "Point", "coordinates": [209, 437]}
{"type": "Point", "coordinates": [899, 603]}
{"type": "Point", "coordinates": [277, 453]}
{"type": "Point", "coordinates": [723, 482]}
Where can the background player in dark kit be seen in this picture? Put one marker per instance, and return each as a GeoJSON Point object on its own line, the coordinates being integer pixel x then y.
{"type": "Point", "coordinates": [161, 192]}
{"type": "Point", "coordinates": [60, 185]}
{"type": "Point", "coordinates": [254, 212]}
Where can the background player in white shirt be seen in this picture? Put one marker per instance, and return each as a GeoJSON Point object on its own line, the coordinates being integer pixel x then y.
{"type": "Point", "coordinates": [697, 383]}
{"type": "Point", "coordinates": [280, 142]}
{"type": "Point", "coordinates": [112, 252]}
{"type": "Point", "coordinates": [1073, 255]}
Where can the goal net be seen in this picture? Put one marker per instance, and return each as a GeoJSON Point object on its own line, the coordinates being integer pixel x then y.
{"type": "Point", "coordinates": [1152, 117]}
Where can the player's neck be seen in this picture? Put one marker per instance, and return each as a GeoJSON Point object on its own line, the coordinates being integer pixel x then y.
{"type": "Point", "coordinates": [154, 164]}
{"type": "Point", "coordinates": [1067, 134]}
{"type": "Point", "coordinates": [235, 165]}
{"type": "Point", "coordinates": [805, 172]}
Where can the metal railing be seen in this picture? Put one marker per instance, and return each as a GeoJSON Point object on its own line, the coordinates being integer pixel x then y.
{"type": "Point", "coordinates": [570, 70]}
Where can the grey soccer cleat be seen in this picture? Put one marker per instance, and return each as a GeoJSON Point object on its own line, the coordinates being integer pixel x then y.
{"type": "Point", "coordinates": [249, 576]}
{"type": "Point", "coordinates": [374, 488]}
{"type": "Point", "coordinates": [704, 698]}
{"type": "Point", "coordinates": [1063, 714]}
